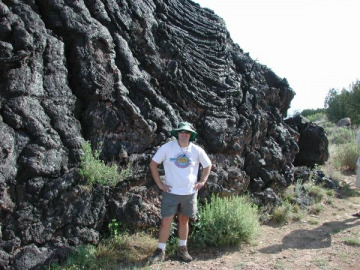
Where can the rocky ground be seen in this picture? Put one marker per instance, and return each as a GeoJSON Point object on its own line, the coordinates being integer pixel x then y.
{"type": "Point", "coordinates": [316, 242]}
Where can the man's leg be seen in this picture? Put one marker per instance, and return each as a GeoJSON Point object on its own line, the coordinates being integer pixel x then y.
{"type": "Point", "coordinates": [164, 232]}
{"type": "Point", "coordinates": [183, 227]}
{"type": "Point", "coordinates": [165, 229]}
{"type": "Point", "coordinates": [183, 235]}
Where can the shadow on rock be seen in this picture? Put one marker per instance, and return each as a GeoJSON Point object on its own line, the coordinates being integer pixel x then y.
{"type": "Point", "coordinates": [317, 238]}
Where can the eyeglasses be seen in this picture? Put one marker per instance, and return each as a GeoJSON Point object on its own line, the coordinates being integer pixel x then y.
{"type": "Point", "coordinates": [185, 131]}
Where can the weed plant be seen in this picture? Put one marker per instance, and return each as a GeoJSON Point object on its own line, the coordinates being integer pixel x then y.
{"type": "Point", "coordinates": [316, 208]}
{"type": "Point", "coordinates": [282, 213]}
{"type": "Point", "coordinates": [95, 170]}
{"type": "Point", "coordinates": [317, 193]}
{"type": "Point", "coordinates": [313, 221]}
{"type": "Point", "coordinates": [226, 222]}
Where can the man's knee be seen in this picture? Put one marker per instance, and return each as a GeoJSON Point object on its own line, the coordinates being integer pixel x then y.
{"type": "Point", "coordinates": [166, 221]}
{"type": "Point", "coordinates": [183, 219]}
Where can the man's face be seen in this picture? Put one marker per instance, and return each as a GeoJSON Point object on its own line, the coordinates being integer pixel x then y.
{"type": "Point", "coordinates": [184, 135]}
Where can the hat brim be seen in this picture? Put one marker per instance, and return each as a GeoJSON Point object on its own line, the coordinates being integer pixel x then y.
{"type": "Point", "coordinates": [175, 132]}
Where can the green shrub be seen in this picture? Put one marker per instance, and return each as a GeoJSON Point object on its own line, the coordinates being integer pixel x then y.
{"type": "Point", "coordinates": [95, 170]}
{"type": "Point", "coordinates": [346, 156]}
{"type": "Point", "coordinates": [317, 117]}
{"type": "Point", "coordinates": [316, 208]}
{"type": "Point", "coordinates": [286, 212]}
{"type": "Point", "coordinates": [317, 193]}
{"type": "Point", "coordinates": [308, 113]}
{"type": "Point", "coordinates": [226, 222]}
{"type": "Point", "coordinates": [341, 135]}
{"type": "Point", "coordinates": [282, 213]}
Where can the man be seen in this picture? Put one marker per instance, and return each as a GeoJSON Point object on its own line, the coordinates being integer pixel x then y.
{"type": "Point", "coordinates": [181, 160]}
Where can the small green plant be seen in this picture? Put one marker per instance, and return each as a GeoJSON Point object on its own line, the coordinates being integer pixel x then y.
{"type": "Point", "coordinates": [226, 222]}
{"type": "Point", "coordinates": [346, 156]}
{"type": "Point", "coordinates": [352, 242]}
{"type": "Point", "coordinates": [127, 172]}
{"type": "Point", "coordinates": [316, 208]}
{"type": "Point", "coordinates": [282, 213]}
{"type": "Point", "coordinates": [321, 263]}
{"type": "Point", "coordinates": [116, 228]}
{"type": "Point", "coordinates": [95, 170]}
{"type": "Point", "coordinates": [297, 213]}
{"type": "Point", "coordinates": [317, 193]}
{"type": "Point", "coordinates": [313, 222]}
{"type": "Point", "coordinates": [299, 188]}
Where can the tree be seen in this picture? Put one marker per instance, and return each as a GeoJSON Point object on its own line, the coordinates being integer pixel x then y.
{"type": "Point", "coordinates": [330, 97]}
{"type": "Point", "coordinates": [353, 105]}
{"type": "Point", "coordinates": [336, 105]}
{"type": "Point", "coordinates": [344, 104]}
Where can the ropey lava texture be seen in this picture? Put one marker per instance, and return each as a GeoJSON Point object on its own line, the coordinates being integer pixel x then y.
{"type": "Point", "coordinates": [122, 74]}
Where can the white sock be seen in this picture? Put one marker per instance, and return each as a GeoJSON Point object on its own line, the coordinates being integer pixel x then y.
{"type": "Point", "coordinates": [182, 243]}
{"type": "Point", "coordinates": [162, 245]}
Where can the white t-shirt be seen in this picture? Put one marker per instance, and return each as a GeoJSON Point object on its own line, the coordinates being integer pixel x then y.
{"type": "Point", "coordinates": [181, 165]}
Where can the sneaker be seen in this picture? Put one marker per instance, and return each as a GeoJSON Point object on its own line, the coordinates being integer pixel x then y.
{"type": "Point", "coordinates": [184, 254]}
{"type": "Point", "coordinates": [158, 256]}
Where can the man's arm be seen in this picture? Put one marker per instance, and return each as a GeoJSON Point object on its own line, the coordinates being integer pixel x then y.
{"type": "Point", "coordinates": [204, 176]}
{"type": "Point", "coordinates": [156, 176]}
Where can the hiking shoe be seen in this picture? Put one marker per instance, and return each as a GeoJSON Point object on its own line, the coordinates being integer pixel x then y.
{"type": "Point", "coordinates": [184, 254]}
{"type": "Point", "coordinates": [158, 256]}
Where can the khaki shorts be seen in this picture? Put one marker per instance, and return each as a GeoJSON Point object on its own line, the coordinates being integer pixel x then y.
{"type": "Point", "coordinates": [173, 204]}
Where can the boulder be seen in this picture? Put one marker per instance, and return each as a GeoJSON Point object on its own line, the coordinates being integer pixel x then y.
{"type": "Point", "coordinates": [344, 122]}
{"type": "Point", "coordinates": [312, 141]}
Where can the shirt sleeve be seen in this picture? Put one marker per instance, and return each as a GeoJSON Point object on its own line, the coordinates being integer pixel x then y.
{"type": "Point", "coordinates": [160, 155]}
{"type": "Point", "coordinates": [204, 158]}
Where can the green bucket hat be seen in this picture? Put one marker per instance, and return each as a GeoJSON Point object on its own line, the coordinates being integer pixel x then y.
{"type": "Point", "coordinates": [186, 127]}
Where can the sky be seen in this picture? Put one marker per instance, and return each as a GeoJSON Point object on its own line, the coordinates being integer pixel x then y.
{"type": "Point", "coordinates": [314, 44]}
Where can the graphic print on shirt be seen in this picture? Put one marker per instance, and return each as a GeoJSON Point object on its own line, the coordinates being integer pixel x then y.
{"type": "Point", "coordinates": [181, 161]}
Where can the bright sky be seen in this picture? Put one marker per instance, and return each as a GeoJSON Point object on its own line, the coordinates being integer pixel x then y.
{"type": "Point", "coordinates": [314, 44]}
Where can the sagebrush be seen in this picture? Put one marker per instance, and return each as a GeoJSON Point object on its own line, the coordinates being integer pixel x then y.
{"type": "Point", "coordinates": [95, 170]}
{"type": "Point", "coordinates": [226, 222]}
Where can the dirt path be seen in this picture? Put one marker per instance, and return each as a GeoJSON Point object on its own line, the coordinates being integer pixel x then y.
{"type": "Point", "coordinates": [315, 242]}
